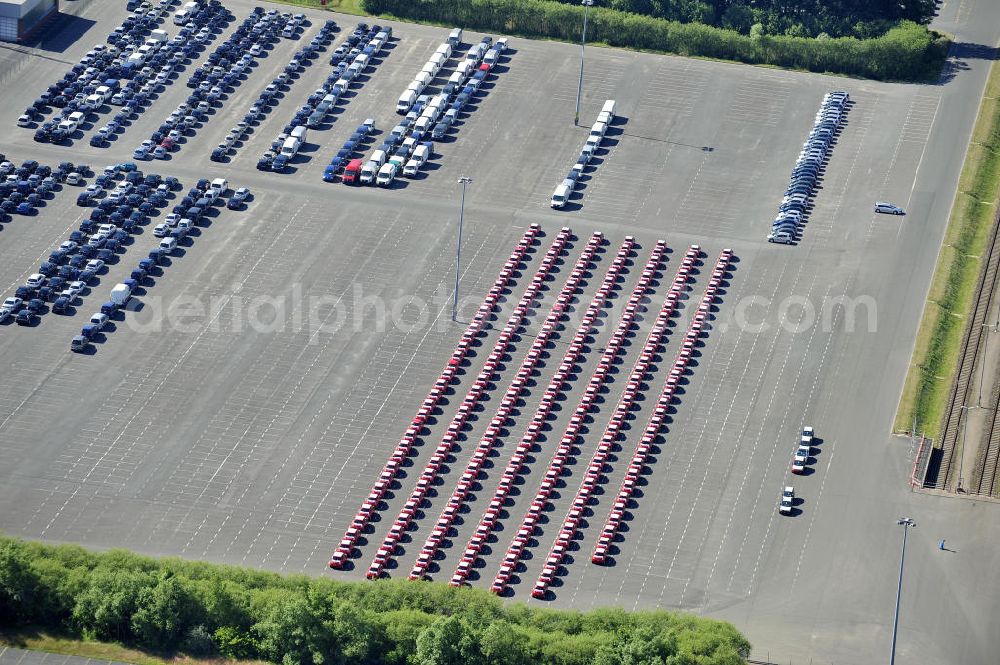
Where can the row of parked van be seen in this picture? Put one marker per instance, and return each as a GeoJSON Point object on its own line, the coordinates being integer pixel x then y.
{"type": "Point", "coordinates": [565, 189]}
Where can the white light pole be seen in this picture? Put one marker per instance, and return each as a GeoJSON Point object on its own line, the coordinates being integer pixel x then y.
{"type": "Point", "coordinates": [464, 181]}
{"type": "Point", "coordinates": [904, 522]}
{"type": "Point", "coordinates": [583, 42]}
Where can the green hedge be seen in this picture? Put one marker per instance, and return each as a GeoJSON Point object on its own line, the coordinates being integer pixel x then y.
{"type": "Point", "coordinates": [202, 609]}
{"type": "Point", "coordinates": [907, 52]}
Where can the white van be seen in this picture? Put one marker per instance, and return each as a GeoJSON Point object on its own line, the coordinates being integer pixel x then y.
{"type": "Point", "coordinates": [386, 175]}
{"type": "Point", "coordinates": [604, 117]}
{"type": "Point", "coordinates": [405, 101]}
{"type": "Point", "coordinates": [455, 37]}
{"type": "Point", "coordinates": [182, 15]}
{"type": "Point", "coordinates": [439, 59]}
{"type": "Point", "coordinates": [465, 68]}
{"type": "Point", "coordinates": [419, 158]}
{"type": "Point", "coordinates": [369, 172]}
{"type": "Point", "coordinates": [220, 185]}
{"type": "Point", "coordinates": [424, 78]}
{"type": "Point", "coordinates": [431, 69]}
{"type": "Point", "coordinates": [423, 123]}
{"type": "Point", "coordinates": [458, 78]}
{"type": "Point", "coordinates": [560, 196]}
{"type": "Point", "coordinates": [609, 108]}
{"type": "Point", "coordinates": [444, 49]}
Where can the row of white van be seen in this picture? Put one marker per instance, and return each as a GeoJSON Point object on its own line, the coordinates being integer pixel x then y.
{"type": "Point", "coordinates": [597, 131]}
{"type": "Point", "coordinates": [424, 78]}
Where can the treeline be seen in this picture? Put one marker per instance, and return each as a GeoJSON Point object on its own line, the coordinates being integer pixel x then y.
{"type": "Point", "coordinates": [907, 52]}
{"type": "Point", "coordinates": [797, 18]}
{"type": "Point", "coordinates": [205, 609]}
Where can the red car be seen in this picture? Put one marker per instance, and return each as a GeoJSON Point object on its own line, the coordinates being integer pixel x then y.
{"type": "Point", "coordinates": [167, 143]}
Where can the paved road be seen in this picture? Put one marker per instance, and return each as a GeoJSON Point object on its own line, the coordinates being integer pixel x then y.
{"type": "Point", "coordinates": [212, 439]}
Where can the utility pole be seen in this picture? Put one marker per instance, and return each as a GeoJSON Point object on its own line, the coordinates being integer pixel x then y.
{"type": "Point", "coordinates": [464, 181]}
{"type": "Point", "coordinates": [905, 522]}
{"type": "Point", "coordinates": [583, 42]}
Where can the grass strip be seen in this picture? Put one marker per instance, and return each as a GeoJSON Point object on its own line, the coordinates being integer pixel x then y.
{"type": "Point", "coordinates": [950, 299]}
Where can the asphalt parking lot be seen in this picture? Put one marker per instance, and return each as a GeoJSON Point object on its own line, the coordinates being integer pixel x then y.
{"type": "Point", "coordinates": [250, 427]}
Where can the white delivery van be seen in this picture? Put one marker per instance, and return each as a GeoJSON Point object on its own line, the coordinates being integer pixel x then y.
{"type": "Point", "coordinates": [431, 69]}
{"type": "Point", "coordinates": [455, 37]}
{"type": "Point", "coordinates": [457, 78]}
{"type": "Point", "coordinates": [560, 196]}
{"type": "Point", "coordinates": [386, 175]}
{"type": "Point", "coordinates": [158, 35]}
{"type": "Point", "coordinates": [444, 49]}
{"type": "Point", "coordinates": [423, 123]}
{"type": "Point", "coordinates": [405, 101]}
{"type": "Point", "coordinates": [438, 59]}
{"type": "Point", "coordinates": [465, 68]}
{"type": "Point", "coordinates": [419, 157]}
{"type": "Point", "coordinates": [423, 78]}
{"type": "Point", "coordinates": [184, 13]}
{"type": "Point", "coordinates": [368, 172]}
{"type": "Point", "coordinates": [609, 108]}
{"type": "Point", "coordinates": [604, 117]}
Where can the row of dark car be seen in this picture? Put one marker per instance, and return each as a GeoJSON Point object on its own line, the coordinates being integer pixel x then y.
{"type": "Point", "coordinates": [269, 96]}
{"type": "Point", "coordinates": [355, 143]}
{"type": "Point", "coordinates": [190, 212]}
{"type": "Point", "coordinates": [349, 60]}
{"type": "Point", "coordinates": [24, 188]}
{"type": "Point", "coordinates": [808, 169]}
{"type": "Point", "coordinates": [127, 73]}
{"type": "Point", "coordinates": [222, 72]}
{"type": "Point", "coordinates": [133, 198]}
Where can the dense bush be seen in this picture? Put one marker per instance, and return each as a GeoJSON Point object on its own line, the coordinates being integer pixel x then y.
{"type": "Point", "coordinates": [163, 604]}
{"type": "Point", "coordinates": [800, 18]}
{"type": "Point", "coordinates": [906, 52]}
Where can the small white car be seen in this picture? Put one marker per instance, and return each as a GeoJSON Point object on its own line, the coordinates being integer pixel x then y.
{"type": "Point", "coordinates": [36, 280]}
{"type": "Point", "coordinates": [161, 230]}
{"type": "Point", "coordinates": [807, 436]}
{"type": "Point", "coordinates": [99, 320]}
{"type": "Point", "coordinates": [787, 501]}
{"type": "Point", "coordinates": [12, 303]}
{"type": "Point", "coordinates": [76, 288]}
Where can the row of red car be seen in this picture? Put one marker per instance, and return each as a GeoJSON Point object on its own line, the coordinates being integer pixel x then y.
{"type": "Point", "coordinates": [430, 403]}
{"type": "Point", "coordinates": [480, 385]}
{"type": "Point", "coordinates": [633, 386]}
{"type": "Point", "coordinates": [517, 388]}
{"type": "Point", "coordinates": [656, 419]}
{"type": "Point", "coordinates": [516, 464]}
{"type": "Point", "coordinates": [613, 349]}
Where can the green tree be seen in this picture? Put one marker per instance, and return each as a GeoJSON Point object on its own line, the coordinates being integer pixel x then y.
{"type": "Point", "coordinates": [17, 583]}
{"type": "Point", "coordinates": [448, 641]}
{"type": "Point", "coordinates": [502, 644]}
{"type": "Point", "coordinates": [164, 613]}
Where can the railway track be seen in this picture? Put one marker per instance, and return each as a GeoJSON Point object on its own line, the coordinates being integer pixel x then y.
{"type": "Point", "coordinates": [984, 475]}
{"type": "Point", "coordinates": [961, 391]}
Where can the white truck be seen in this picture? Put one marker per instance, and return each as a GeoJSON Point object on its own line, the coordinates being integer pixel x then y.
{"type": "Point", "coordinates": [120, 294]}
{"type": "Point", "coordinates": [299, 132]}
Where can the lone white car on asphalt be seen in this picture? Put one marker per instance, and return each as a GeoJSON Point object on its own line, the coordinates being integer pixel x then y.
{"type": "Point", "coordinates": [787, 501]}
